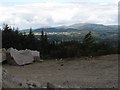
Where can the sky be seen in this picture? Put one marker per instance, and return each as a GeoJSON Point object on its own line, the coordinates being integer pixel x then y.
{"type": "Point", "coordinates": [45, 13]}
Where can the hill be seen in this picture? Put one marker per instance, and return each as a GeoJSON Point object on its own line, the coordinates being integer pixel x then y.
{"type": "Point", "coordinates": [77, 27]}
{"type": "Point", "coordinates": [77, 31]}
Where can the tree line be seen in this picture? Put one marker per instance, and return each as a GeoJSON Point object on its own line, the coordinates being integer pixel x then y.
{"type": "Point", "coordinates": [11, 37]}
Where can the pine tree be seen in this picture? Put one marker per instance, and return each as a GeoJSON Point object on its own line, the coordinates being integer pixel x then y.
{"type": "Point", "coordinates": [88, 43]}
{"type": "Point", "coordinates": [31, 40]}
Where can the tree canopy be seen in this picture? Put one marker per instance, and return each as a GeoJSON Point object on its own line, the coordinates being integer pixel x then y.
{"type": "Point", "coordinates": [11, 37]}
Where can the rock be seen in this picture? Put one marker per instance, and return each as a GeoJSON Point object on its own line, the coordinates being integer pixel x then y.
{"type": "Point", "coordinates": [50, 86]}
{"type": "Point", "coordinates": [61, 59]}
{"type": "Point", "coordinates": [4, 54]}
{"type": "Point", "coordinates": [41, 60]}
{"type": "Point", "coordinates": [62, 65]}
{"type": "Point", "coordinates": [22, 57]}
{"type": "Point", "coordinates": [35, 54]}
{"type": "Point", "coordinates": [33, 84]}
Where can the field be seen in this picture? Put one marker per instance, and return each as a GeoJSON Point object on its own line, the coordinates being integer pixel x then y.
{"type": "Point", "coordinates": [94, 72]}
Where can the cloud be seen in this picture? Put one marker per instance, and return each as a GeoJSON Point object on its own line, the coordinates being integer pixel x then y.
{"type": "Point", "coordinates": [54, 14]}
{"type": "Point", "coordinates": [117, 1]}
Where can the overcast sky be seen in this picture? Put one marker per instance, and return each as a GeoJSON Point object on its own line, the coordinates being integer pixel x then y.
{"type": "Point", "coordinates": [42, 13]}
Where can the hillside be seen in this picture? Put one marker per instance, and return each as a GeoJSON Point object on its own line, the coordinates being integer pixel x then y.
{"type": "Point", "coordinates": [78, 31]}
{"type": "Point", "coordinates": [77, 27]}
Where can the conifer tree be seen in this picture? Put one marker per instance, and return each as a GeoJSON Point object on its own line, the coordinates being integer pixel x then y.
{"type": "Point", "coordinates": [88, 43]}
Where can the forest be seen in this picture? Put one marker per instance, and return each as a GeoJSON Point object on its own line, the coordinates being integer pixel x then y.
{"type": "Point", "coordinates": [12, 37]}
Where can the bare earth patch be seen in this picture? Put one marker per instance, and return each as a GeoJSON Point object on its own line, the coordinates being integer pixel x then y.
{"type": "Point", "coordinates": [96, 72]}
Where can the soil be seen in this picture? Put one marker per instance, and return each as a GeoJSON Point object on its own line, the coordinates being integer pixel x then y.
{"type": "Point", "coordinates": [94, 72]}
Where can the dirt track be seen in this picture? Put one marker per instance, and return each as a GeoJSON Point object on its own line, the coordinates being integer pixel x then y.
{"type": "Point", "coordinates": [97, 72]}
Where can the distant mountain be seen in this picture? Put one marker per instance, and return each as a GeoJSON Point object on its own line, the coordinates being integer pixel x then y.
{"type": "Point", "coordinates": [55, 29]}
{"type": "Point", "coordinates": [78, 31]}
{"type": "Point", "coordinates": [114, 27]}
{"type": "Point", "coordinates": [93, 27]}
{"type": "Point", "coordinates": [51, 29]}
{"type": "Point", "coordinates": [78, 27]}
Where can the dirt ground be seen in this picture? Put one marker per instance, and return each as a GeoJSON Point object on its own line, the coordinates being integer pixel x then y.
{"type": "Point", "coordinates": [96, 72]}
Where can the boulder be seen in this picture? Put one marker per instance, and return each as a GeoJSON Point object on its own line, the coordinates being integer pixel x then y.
{"type": "Point", "coordinates": [3, 54]}
{"type": "Point", "coordinates": [35, 54]}
{"type": "Point", "coordinates": [21, 57]}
